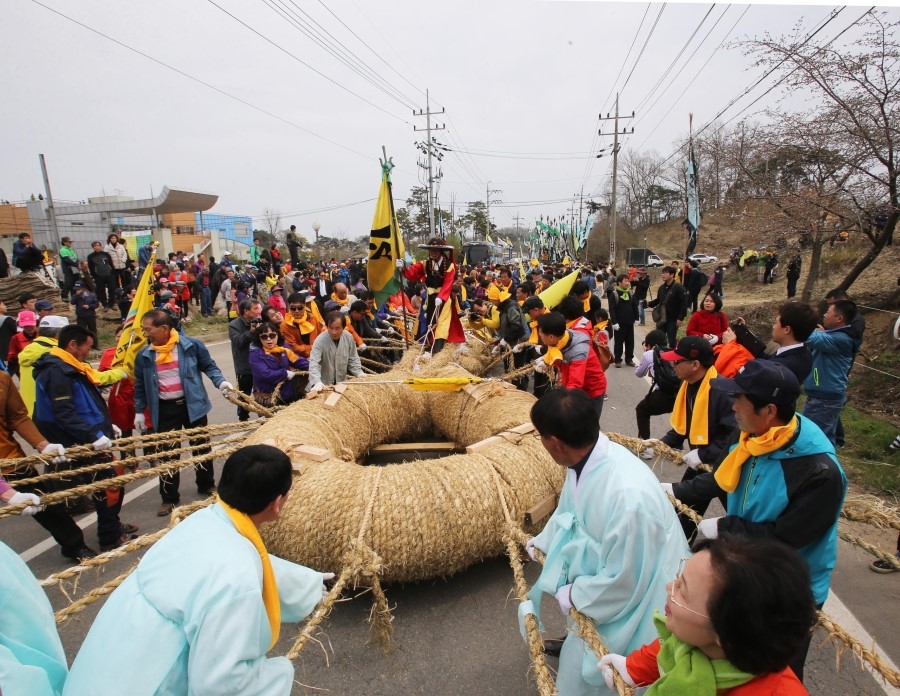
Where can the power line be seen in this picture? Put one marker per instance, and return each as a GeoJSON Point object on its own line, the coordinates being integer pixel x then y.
{"type": "Point", "coordinates": [644, 47]}
{"type": "Point", "coordinates": [201, 82]}
{"type": "Point", "coordinates": [303, 213]}
{"type": "Point", "coordinates": [303, 62]}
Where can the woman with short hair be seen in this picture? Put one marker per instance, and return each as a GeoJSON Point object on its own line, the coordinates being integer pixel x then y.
{"type": "Point", "coordinates": [275, 368]}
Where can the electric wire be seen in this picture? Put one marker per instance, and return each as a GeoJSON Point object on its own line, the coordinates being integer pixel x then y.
{"type": "Point", "coordinates": [303, 213]}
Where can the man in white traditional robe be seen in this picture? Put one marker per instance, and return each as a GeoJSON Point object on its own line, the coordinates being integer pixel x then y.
{"type": "Point", "coordinates": [206, 602]}
{"type": "Point", "coordinates": [612, 544]}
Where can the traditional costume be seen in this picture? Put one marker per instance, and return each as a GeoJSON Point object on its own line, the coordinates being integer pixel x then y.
{"type": "Point", "coordinates": [438, 275]}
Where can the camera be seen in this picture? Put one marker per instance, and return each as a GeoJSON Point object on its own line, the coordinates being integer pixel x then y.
{"type": "Point", "coordinates": [255, 322]}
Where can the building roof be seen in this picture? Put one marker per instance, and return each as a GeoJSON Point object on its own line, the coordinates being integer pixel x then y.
{"type": "Point", "coordinates": [168, 201]}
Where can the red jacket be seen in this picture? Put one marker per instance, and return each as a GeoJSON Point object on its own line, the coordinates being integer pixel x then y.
{"type": "Point", "coordinates": [120, 402]}
{"type": "Point", "coordinates": [644, 670]}
{"type": "Point", "coordinates": [703, 322]}
{"type": "Point", "coordinates": [580, 367]}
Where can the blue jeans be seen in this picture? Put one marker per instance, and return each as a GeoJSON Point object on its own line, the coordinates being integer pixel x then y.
{"type": "Point", "coordinates": [641, 304]}
{"type": "Point", "coordinates": [205, 302]}
{"type": "Point", "coordinates": [825, 414]}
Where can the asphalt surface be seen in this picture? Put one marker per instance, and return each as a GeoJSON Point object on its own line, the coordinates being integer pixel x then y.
{"type": "Point", "coordinates": [456, 635]}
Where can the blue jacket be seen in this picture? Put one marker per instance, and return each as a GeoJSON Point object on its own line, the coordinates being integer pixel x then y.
{"type": "Point", "coordinates": [795, 495]}
{"type": "Point", "coordinates": [193, 358]}
{"type": "Point", "coordinates": [833, 352]}
{"type": "Point", "coordinates": [68, 408]}
{"type": "Point", "coordinates": [270, 370]}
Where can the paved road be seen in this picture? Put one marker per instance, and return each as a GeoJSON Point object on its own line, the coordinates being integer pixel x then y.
{"type": "Point", "coordinates": [456, 635]}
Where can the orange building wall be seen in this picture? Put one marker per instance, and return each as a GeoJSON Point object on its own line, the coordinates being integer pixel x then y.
{"type": "Point", "coordinates": [175, 220]}
{"type": "Point", "coordinates": [14, 220]}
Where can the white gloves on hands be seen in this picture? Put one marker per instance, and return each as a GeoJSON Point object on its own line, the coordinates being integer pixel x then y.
{"type": "Point", "coordinates": [399, 263]}
{"type": "Point", "coordinates": [345, 309]}
{"type": "Point", "coordinates": [564, 597]}
{"type": "Point", "coordinates": [316, 388]}
{"type": "Point", "coordinates": [539, 349]}
{"type": "Point", "coordinates": [541, 366]}
{"type": "Point", "coordinates": [667, 489]}
{"type": "Point", "coordinates": [529, 548]}
{"type": "Point", "coordinates": [495, 350]}
{"type": "Point", "coordinates": [712, 338]}
{"type": "Point", "coordinates": [438, 302]}
{"type": "Point", "coordinates": [34, 506]}
{"type": "Point", "coordinates": [58, 452]}
{"type": "Point", "coordinates": [290, 374]}
{"type": "Point", "coordinates": [611, 662]}
{"type": "Point", "coordinates": [226, 386]}
{"type": "Point", "coordinates": [117, 431]}
{"type": "Point", "coordinates": [692, 458]}
{"type": "Point", "coordinates": [615, 327]}
{"type": "Point", "coordinates": [325, 590]}
{"type": "Point", "coordinates": [140, 422]}
{"type": "Point", "coordinates": [103, 443]}
{"type": "Point", "coordinates": [361, 348]}
{"type": "Point", "coordinates": [518, 348]}
{"type": "Point", "coordinates": [709, 528]}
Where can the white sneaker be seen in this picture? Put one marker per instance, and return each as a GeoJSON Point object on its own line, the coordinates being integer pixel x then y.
{"type": "Point", "coordinates": [648, 453]}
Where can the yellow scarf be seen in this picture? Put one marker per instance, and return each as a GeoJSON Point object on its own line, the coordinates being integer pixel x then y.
{"type": "Point", "coordinates": [534, 332]}
{"type": "Point", "coordinates": [82, 367]}
{"type": "Point", "coordinates": [728, 475]}
{"type": "Point", "coordinates": [317, 315]}
{"type": "Point", "coordinates": [554, 353]}
{"type": "Point", "coordinates": [303, 324]}
{"type": "Point", "coordinates": [587, 304]}
{"type": "Point", "coordinates": [277, 350]}
{"type": "Point", "coordinates": [164, 352]}
{"type": "Point", "coordinates": [341, 302]}
{"type": "Point", "coordinates": [247, 529]}
{"type": "Point", "coordinates": [699, 434]}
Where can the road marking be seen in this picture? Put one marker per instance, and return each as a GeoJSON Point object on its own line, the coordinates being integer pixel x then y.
{"type": "Point", "coordinates": [842, 615]}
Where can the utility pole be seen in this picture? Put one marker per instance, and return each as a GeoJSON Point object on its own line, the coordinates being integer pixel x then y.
{"type": "Point", "coordinates": [487, 203]}
{"type": "Point", "coordinates": [517, 218]}
{"type": "Point", "coordinates": [612, 206]}
{"type": "Point", "coordinates": [50, 209]}
{"type": "Point", "coordinates": [428, 145]}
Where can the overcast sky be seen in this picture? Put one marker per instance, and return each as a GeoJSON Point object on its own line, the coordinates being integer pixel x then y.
{"type": "Point", "coordinates": [524, 80]}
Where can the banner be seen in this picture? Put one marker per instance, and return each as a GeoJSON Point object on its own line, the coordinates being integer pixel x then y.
{"type": "Point", "coordinates": [385, 245]}
{"type": "Point", "coordinates": [692, 222]}
{"type": "Point", "coordinates": [132, 338]}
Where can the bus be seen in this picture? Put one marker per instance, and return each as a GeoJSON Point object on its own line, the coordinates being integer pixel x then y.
{"type": "Point", "coordinates": [483, 252]}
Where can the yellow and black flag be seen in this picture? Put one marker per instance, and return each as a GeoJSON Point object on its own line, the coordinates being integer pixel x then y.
{"type": "Point", "coordinates": [385, 244]}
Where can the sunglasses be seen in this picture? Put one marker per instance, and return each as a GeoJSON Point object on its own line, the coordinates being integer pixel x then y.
{"type": "Point", "coordinates": [269, 335]}
{"type": "Point", "coordinates": [297, 308]}
{"type": "Point", "coordinates": [678, 362]}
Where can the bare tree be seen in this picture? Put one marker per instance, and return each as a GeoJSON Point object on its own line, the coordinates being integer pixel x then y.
{"type": "Point", "coordinates": [273, 223]}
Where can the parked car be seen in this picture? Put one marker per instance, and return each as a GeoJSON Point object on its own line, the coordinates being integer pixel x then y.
{"type": "Point", "coordinates": [653, 261]}
{"type": "Point", "coordinates": [703, 258]}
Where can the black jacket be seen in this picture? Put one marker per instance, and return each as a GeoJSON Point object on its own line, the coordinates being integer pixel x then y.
{"type": "Point", "coordinates": [674, 299]}
{"type": "Point", "coordinates": [640, 287]}
{"type": "Point", "coordinates": [622, 312]}
{"type": "Point", "coordinates": [798, 360]}
{"type": "Point", "coordinates": [721, 425]}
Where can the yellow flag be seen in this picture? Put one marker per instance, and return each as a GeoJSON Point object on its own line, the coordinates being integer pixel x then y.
{"type": "Point", "coordinates": [385, 245]}
{"type": "Point", "coordinates": [553, 295]}
{"type": "Point", "coordinates": [450, 384]}
{"type": "Point", "coordinates": [488, 239]}
{"type": "Point", "coordinates": [132, 338]}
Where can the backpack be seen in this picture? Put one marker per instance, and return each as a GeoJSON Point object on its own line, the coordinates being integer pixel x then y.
{"type": "Point", "coordinates": [702, 281]}
{"type": "Point", "coordinates": [664, 375]}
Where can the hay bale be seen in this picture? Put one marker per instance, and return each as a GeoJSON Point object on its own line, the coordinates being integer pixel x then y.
{"type": "Point", "coordinates": [42, 287]}
{"type": "Point", "coordinates": [429, 518]}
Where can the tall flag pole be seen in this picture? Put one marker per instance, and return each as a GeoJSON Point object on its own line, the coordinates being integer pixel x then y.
{"type": "Point", "coordinates": [692, 222]}
{"type": "Point", "coordinates": [132, 338]}
{"type": "Point", "coordinates": [385, 244]}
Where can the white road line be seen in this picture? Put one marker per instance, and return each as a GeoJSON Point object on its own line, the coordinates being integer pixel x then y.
{"type": "Point", "coordinates": [842, 615]}
{"type": "Point", "coordinates": [87, 520]}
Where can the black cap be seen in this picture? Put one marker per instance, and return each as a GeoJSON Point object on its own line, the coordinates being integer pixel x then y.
{"type": "Point", "coordinates": [533, 302]}
{"type": "Point", "coordinates": [690, 348]}
{"type": "Point", "coordinates": [764, 379]}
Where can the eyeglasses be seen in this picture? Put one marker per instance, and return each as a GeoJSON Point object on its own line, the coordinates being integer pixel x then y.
{"type": "Point", "coordinates": [268, 335]}
{"type": "Point", "coordinates": [678, 362]}
{"type": "Point", "coordinates": [675, 584]}
{"type": "Point", "coordinates": [297, 308]}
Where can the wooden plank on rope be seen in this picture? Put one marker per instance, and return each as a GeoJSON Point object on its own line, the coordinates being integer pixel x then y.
{"type": "Point", "coordinates": [414, 447]}
{"type": "Point", "coordinates": [485, 390]}
{"type": "Point", "coordinates": [541, 511]}
{"type": "Point", "coordinates": [312, 454]}
{"type": "Point", "coordinates": [523, 429]}
{"type": "Point", "coordinates": [335, 396]}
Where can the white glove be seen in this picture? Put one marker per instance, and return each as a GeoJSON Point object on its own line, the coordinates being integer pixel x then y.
{"type": "Point", "coordinates": [615, 327]}
{"type": "Point", "coordinates": [692, 458]}
{"type": "Point", "coordinates": [117, 431]}
{"type": "Point", "coordinates": [518, 348]}
{"type": "Point", "coordinates": [712, 338]}
{"type": "Point", "coordinates": [667, 489]}
{"type": "Point", "coordinates": [438, 302]}
{"type": "Point", "coordinates": [539, 349]}
{"type": "Point", "coordinates": [58, 452]}
{"type": "Point", "coordinates": [541, 366]}
{"type": "Point", "coordinates": [495, 350]}
{"type": "Point", "coordinates": [140, 422]}
{"type": "Point", "coordinates": [325, 590]}
{"type": "Point", "coordinates": [345, 309]}
{"type": "Point", "coordinates": [316, 388]}
{"type": "Point", "coordinates": [361, 348]}
{"type": "Point", "coordinates": [226, 386]}
{"type": "Point", "coordinates": [103, 443]}
{"type": "Point", "coordinates": [529, 548]}
{"type": "Point", "coordinates": [563, 596]}
{"type": "Point", "coordinates": [617, 662]}
{"type": "Point", "coordinates": [35, 503]}
{"type": "Point", "coordinates": [709, 528]}
{"type": "Point", "coordinates": [503, 342]}
{"type": "Point", "coordinates": [399, 263]}
{"type": "Point", "coordinates": [290, 374]}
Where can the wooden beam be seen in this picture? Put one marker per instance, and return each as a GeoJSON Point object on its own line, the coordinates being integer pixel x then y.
{"type": "Point", "coordinates": [414, 447]}
{"type": "Point", "coordinates": [523, 429]}
{"type": "Point", "coordinates": [332, 401]}
{"type": "Point", "coordinates": [542, 510]}
{"type": "Point", "coordinates": [310, 453]}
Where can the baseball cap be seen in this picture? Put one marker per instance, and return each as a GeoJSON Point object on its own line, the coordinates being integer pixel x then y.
{"type": "Point", "coordinates": [78, 286]}
{"type": "Point", "coordinates": [690, 348]}
{"type": "Point", "coordinates": [331, 306]}
{"type": "Point", "coordinates": [53, 321]}
{"type": "Point", "coordinates": [277, 288]}
{"type": "Point", "coordinates": [533, 302]}
{"type": "Point", "coordinates": [43, 305]}
{"type": "Point", "coordinates": [764, 379]}
{"type": "Point", "coordinates": [26, 318]}
{"type": "Point", "coordinates": [227, 253]}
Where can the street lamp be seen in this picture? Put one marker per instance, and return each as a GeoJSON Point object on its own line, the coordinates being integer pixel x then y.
{"type": "Point", "coordinates": [316, 227]}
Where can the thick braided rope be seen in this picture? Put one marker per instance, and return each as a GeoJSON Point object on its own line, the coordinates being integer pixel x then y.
{"type": "Point", "coordinates": [94, 595]}
{"type": "Point", "coordinates": [546, 685]}
{"type": "Point", "coordinates": [588, 633]}
{"type": "Point", "coordinates": [881, 554]}
{"type": "Point", "coordinates": [863, 653]}
{"type": "Point", "coordinates": [871, 510]}
{"type": "Point", "coordinates": [248, 403]}
{"type": "Point", "coordinates": [117, 481]}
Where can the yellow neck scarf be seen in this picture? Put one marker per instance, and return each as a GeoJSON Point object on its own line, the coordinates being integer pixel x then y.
{"type": "Point", "coordinates": [82, 367]}
{"type": "Point", "coordinates": [303, 325]}
{"type": "Point", "coordinates": [699, 434]}
{"type": "Point", "coordinates": [587, 303]}
{"type": "Point", "coordinates": [164, 352]}
{"type": "Point", "coordinates": [728, 475]}
{"type": "Point", "coordinates": [554, 353]}
{"type": "Point", "coordinates": [601, 325]}
{"type": "Point", "coordinates": [534, 332]}
{"type": "Point", "coordinates": [247, 529]}
{"type": "Point", "coordinates": [341, 302]}
{"type": "Point", "coordinates": [277, 350]}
